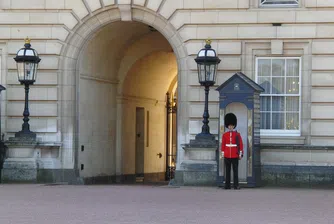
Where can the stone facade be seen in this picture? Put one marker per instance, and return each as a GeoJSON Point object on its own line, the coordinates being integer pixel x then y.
{"type": "Point", "coordinates": [91, 49]}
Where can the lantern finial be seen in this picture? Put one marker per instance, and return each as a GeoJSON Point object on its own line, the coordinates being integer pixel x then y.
{"type": "Point", "coordinates": [208, 41]}
{"type": "Point", "coordinates": [27, 40]}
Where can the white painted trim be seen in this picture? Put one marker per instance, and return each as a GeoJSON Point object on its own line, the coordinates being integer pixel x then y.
{"type": "Point", "coordinates": [262, 3]}
{"type": "Point", "coordinates": [264, 132]}
{"type": "Point", "coordinates": [310, 163]}
{"type": "Point", "coordinates": [282, 132]}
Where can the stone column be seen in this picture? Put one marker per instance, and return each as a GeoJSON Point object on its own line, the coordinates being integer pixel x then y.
{"type": "Point", "coordinates": [199, 166]}
{"type": "Point", "coordinates": [119, 128]}
{"type": "Point", "coordinates": [31, 161]}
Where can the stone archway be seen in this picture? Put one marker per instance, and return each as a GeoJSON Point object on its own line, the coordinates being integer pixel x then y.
{"type": "Point", "coordinates": [71, 52]}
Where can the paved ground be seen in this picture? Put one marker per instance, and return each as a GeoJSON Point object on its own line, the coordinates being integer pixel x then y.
{"type": "Point", "coordinates": [108, 204]}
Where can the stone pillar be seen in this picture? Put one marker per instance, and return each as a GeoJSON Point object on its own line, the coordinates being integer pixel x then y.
{"type": "Point", "coordinates": [199, 166]}
{"type": "Point", "coordinates": [21, 164]}
{"type": "Point", "coordinates": [119, 139]}
{"type": "Point", "coordinates": [31, 162]}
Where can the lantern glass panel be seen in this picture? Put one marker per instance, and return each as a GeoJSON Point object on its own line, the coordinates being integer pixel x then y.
{"type": "Point", "coordinates": [21, 52]}
{"type": "Point", "coordinates": [210, 71]}
{"type": "Point", "coordinates": [201, 53]}
{"type": "Point", "coordinates": [211, 53]}
{"type": "Point", "coordinates": [20, 70]}
{"type": "Point", "coordinates": [201, 72]}
{"type": "Point", "coordinates": [30, 71]}
{"type": "Point", "coordinates": [26, 71]}
{"type": "Point", "coordinates": [30, 52]}
{"type": "Point", "coordinates": [214, 72]}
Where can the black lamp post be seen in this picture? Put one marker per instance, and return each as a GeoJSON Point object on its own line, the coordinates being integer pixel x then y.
{"type": "Point", "coordinates": [207, 63]}
{"type": "Point", "coordinates": [27, 62]}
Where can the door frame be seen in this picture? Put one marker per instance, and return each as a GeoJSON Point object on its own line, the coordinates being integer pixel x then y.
{"type": "Point", "coordinates": [140, 130]}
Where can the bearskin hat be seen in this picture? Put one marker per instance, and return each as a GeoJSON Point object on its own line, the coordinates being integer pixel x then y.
{"type": "Point", "coordinates": [230, 119]}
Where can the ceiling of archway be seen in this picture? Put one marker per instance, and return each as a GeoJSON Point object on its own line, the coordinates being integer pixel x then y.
{"type": "Point", "coordinates": [105, 50]}
{"type": "Point", "coordinates": [151, 76]}
{"type": "Point", "coordinates": [120, 51]}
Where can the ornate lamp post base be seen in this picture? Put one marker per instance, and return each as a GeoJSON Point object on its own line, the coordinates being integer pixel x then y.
{"type": "Point", "coordinates": [204, 140]}
{"type": "Point", "coordinates": [25, 136]}
{"type": "Point", "coordinates": [205, 137]}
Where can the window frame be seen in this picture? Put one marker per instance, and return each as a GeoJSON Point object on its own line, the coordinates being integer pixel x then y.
{"type": "Point", "coordinates": [262, 5]}
{"type": "Point", "coordinates": [282, 132]}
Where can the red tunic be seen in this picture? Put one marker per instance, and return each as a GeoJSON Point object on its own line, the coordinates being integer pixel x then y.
{"type": "Point", "coordinates": [229, 144]}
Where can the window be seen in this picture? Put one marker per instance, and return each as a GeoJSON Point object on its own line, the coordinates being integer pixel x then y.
{"type": "Point", "coordinates": [279, 2]}
{"type": "Point", "coordinates": [280, 103]}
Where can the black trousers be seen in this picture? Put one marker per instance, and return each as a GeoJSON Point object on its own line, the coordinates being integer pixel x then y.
{"type": "Point", "coordinates": [235, 163]}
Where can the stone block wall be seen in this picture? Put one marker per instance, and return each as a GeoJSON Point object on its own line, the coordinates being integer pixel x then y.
{"type": "Point", "coordinates": [240, 30]}
{"type": "Point", "coordinates": [297, 166]}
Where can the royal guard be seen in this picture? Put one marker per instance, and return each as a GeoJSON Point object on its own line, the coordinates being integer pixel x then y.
{"type": "Point", "coordinates": [232, 150]}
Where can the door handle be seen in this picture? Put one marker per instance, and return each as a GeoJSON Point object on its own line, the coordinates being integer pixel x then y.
{"type": "Point", "coordinates": [160, 155]}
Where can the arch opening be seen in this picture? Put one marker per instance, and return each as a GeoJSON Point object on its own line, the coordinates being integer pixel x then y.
{"type": "Point", "coordinates": [125, 70]}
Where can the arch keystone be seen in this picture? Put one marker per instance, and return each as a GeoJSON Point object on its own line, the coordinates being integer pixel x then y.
{"type": "Point", "coordinates": [138, 14]}
{"type": "Point", "coordinates": [108, 2]}
{"type": "Point", "coordinates": [126, 12]}
{"type": "Point", "coordinates": [126, 2]}
{"type": "Point", "coordinates": [139, 2]}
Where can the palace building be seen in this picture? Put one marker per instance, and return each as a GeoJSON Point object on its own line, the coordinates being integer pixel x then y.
{"type": "Point", "coordinates": [117, 96]}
